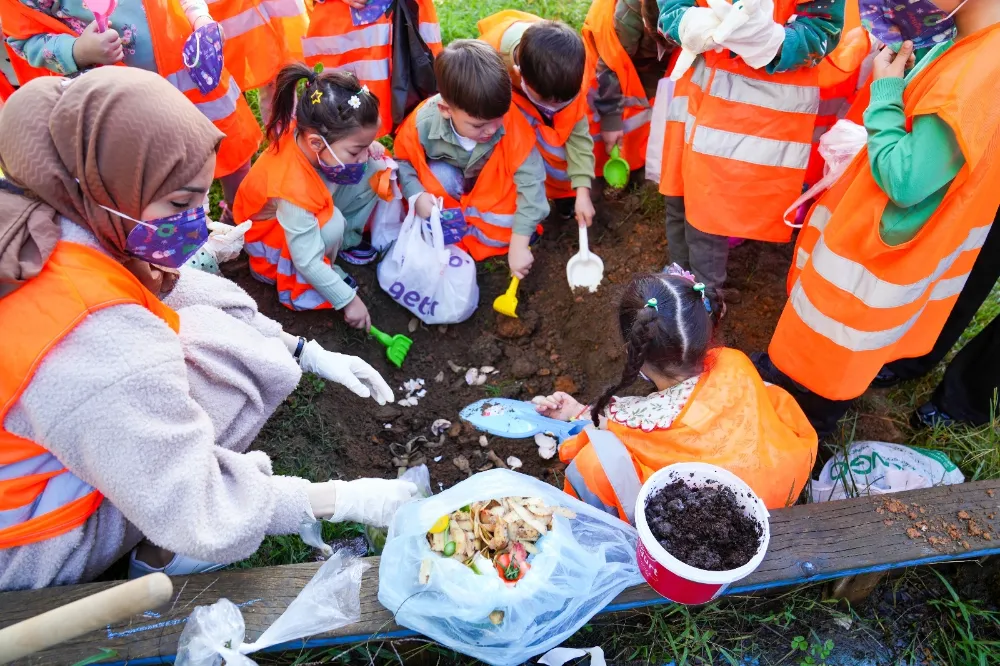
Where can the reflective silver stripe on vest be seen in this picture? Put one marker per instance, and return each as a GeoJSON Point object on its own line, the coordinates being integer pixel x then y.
{"type": "Point", "coordinates": [260, 15]}
{"type": "Point", "coordinates": [635, 102]}
{"type": "Point", "coordinates": [431, 32]}
{"type": "Point", "coordinates": [557, 174]}
{"type": "Point", "coordinates": [584, 493]}
{"type": "Point", "coordinates": [504, 220]}
{"type": "Point", "coordinates": [617, 465]}
{"type": "Point", "coordinates": [44, 463]}
{"type": "Point", "coordinates": [307, 300]}
{"type": "Point", "coordinates": [59, 491]}
{"type": "Point", "coordinates": [750, 149]}
{"type": "Point", "coordinates": [860, 341]}
{"type": "Point", "coordinates": [260, 250]}
{"type": "Point", "coordinates": [638, 120]}
{"type": "Point", "coordinates": [700, 75]}
{"type": "Point", "coordinates": [765, 94]}
{"type": "Point", "coordinates": [484, 239]}
{"type": "Point", "coordinates": [677, 112]}
{"type": "Point", "coordinates": [833, 106]}
{"type": "Point", "coordinates": [801, 258]}
{"type": "Point", "coordinates": [223, 107]}
{"type": "Point", "coordinates": [557, 151]}
{"type": "Point", "coordinates": [370, 36]}
{"type": "Point", "coordinates": [875, 292]}
{"type": "Point", "coordinates": [368, 70]}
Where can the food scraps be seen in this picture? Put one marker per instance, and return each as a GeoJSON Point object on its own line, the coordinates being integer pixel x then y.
{"type": "Point", "coordinates": [495, 535]}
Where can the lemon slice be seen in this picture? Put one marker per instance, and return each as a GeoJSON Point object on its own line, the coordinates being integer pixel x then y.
{"type": "Point", "coordinates": [440, 526]}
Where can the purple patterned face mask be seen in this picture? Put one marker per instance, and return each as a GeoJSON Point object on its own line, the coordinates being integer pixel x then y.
{"type": "Point", "coordinates": [340, 173]}
{"type": "Point", "coordinates": [922, 22]}
{"type": "Point", "coordinates": [166, 241]}
{"type": "Point", "coordinates": [203, 57]}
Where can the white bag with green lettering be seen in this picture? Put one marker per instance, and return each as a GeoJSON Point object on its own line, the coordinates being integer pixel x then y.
{"type": "Point", "coordinates": [877, 468]}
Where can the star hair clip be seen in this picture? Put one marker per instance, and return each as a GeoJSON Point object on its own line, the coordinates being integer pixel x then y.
{"type": "Point", "coordinates": [316, 97]}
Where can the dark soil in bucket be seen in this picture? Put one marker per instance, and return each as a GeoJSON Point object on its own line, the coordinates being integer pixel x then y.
{"type": "Point", "coordinates": [703, 527]}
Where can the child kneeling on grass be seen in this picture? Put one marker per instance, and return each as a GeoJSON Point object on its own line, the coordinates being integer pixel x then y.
{"type": "Point", "coordinates": [310, 194]}
{"type": "Point", "coordinates": [710, 404]}
{"type": "Point", "coordinates": [468, 147]}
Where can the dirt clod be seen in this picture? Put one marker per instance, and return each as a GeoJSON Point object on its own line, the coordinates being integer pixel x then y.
{"type": "Point", "coordinates": [964, 515]}
{"type": "Point", "coordinates": [703, 527]}
{"type": "Point", "coordinates": [523, 368]}
{"type": "Point", "coordinates": [565, 384]}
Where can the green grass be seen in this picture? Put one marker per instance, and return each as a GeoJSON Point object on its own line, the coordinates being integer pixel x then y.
{"type": "Point", "coordinates": [458, 18]}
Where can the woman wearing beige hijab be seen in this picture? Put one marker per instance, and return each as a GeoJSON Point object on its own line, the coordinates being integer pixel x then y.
{"type": "Point", "coordinates": [129, 391]}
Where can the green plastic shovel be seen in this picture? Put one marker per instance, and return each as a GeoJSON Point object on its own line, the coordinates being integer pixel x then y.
{"type": "Point", "coordinates": [397, 346]}
{"type": "Point", "coordinates": [616, 170]}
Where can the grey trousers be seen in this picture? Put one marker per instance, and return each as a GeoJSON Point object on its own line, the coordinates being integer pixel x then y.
{"type": "Point", "coordinates": [703, 254]}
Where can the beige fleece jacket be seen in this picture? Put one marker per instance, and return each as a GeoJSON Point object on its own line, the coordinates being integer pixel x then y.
{"type": "Point", "coordinates": [158, 422]}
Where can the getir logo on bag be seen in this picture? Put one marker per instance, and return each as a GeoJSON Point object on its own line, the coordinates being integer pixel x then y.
{"type": "Point", "coordinates": [411, 298]}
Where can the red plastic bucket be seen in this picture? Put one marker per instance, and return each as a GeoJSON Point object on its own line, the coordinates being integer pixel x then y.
{"type": "Point", "coordinates": [669, 576]}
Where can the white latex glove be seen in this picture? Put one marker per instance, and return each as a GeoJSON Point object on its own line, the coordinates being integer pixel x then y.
{"type": "Point", "coordinates": [368, 501]}
{"type": "Point", "coordinates": [350, 371]}
{"type": "Point", "coordinates": [695, 31]}
{"type": "Point", "coordinates": [226, 241]}
{"type": "Point", "coordinates": [747, 28]}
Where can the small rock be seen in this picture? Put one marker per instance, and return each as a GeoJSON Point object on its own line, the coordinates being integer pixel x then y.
{"type": "Point", "coordinates": [544, 372]}
{"type": "Point", "coordinates": [413, 325]}
{"type": "Point", "coordinates": [523, 368]}
{"type": "Point", "coordinates": [438, 458]}
{"type": "Point", "coordinates": [440, 377]}
{"type": "Point", "coordinates": [455, 368]}
{"type": "Point", "coordinates": [565, 384]}
{"type": "Point", "coordinates": [513, 462]}
{"type": "Point", "coordinates": [462, 463]}
{"type": "Point", "coordinates": [455, 430]}
{"type": "Point", "coordinates": [495, 459]}
{"type": "Point", "coordinates": [387, 426]}
{"type": "Point", "coordinates": [483, 441]}
{"type": "Point", "coordinates": [387, 413]}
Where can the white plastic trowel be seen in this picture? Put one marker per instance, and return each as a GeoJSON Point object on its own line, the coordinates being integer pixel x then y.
{"type": "Point", "coordinates": [584, 269]}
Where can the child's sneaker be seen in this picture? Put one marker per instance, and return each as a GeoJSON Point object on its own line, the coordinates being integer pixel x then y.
{"type": "Point", "coordinates": [360, 255]}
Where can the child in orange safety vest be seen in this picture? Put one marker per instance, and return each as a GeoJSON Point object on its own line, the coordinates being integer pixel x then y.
{"type": "Point", "coordinates": [63, 38]}
{"type": "Point", "coordinates": [357, 36]}
{"type": "Point", "coordinates": [710, 405]}
{"type": "Point", "coordinates": [312, 192]}
{"type": "Point", "coordinates": [468, 148]}
{"type": "Point", "coordinates": [548, 67]}
{"type": "Point", "coordinates": [886, 252]}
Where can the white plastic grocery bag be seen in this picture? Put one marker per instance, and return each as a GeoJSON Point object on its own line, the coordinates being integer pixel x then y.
{"type": "Point", "coordinates": [658, 128]}
{"type": "Point", "coordinates": [582, 564]}
{"type": "Point", "coordinates": [387, 218]}
{"type": "Point", "coordinates": [877, 468]}
{"type": "Point", "coordinates": [332, 599]}
{"type": "Point", "coordinates": [435, 282]}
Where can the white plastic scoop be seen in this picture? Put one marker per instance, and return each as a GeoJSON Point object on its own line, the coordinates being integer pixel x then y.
{"type": "Point", "coordinates": [584, 269]}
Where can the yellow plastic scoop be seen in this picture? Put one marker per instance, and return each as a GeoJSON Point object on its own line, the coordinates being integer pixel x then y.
{"type": "Point", "coordinates": [616, 170]}
{"type": "Point", "coordinates": [584, 269]}
{"type": "Point", "coordinates": [506, 303]}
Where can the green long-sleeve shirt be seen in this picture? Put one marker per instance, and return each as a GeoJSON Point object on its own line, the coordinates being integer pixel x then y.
{"type": "Point", "coordinates": [915, 168]}
{"type": "Point", "coordinates": [440, 142]}
{"type": "Point", "coordinates": [579, 145]}
{"type": "Point", "coordinates": [812, 36]}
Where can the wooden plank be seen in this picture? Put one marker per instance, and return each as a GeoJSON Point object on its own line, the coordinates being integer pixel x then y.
{"type": "Point", "coordinates": [808, 543]}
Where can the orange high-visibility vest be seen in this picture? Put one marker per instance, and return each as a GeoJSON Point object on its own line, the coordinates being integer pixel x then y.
{"type": "Point", "coordinates": [224, 106]}
{"type": "Point", "coordinates": [365, 50]}
{"type": "Point", "coordinates": [261, 37]}
{"type": "Point", "coordinates": [602, 42]}
{"type": "Point", "coordinates": [748, 137]}
{"type": "Point", "coordinates": [550, 138]}
{"type": "Point", "coordinates": [282, 172]}
{"type": "Point", "coordinates": [490, 207]}
{"type": "Point", "coordinates": [855, 302]}
{"type": "Point", "coordinates": [39, 497]}
{"type": "Point", "coordinates": [733, 420]}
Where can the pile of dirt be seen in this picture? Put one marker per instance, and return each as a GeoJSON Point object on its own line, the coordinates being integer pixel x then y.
{"type": "Point", "coordinates": [944, 535]}
{"type": "Point", "coordinates": [703, 527]}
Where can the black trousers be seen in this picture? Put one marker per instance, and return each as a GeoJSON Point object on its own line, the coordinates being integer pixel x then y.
{"type": "Point", "coordinates": [971, 377]}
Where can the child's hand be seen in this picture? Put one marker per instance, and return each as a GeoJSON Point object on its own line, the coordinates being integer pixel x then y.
{"type": "Point", "coordinates": [612, 139]}
{"type": "Point", "coordinates": [356, 315]}
{"type": "Point", "coordinates": [889, 65]}
{"type": "Point", "coordinates": [357, 4]}
{"type": "Point", "coordinates": [202, 21]}
{"type": "Point", "coordinates": [376, 151]}
{"type": "Point", "coordinates": [559, 405]}
{"type": "Point", "coordinates": [424, 205]}
{"type": "Point", "coordinates": [97, 48]}
{"type": "Point", "coordinates": [584, 207]}
{"type": "Point", "coordinates": [519, 257]}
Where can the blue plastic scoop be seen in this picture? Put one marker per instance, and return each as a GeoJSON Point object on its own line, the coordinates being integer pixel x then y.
{"type": "Point", "coordinates": [515, 419]}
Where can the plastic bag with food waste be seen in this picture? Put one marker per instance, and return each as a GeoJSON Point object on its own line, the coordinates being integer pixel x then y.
{"type": "Point", "coordinates": [581, 564]}
{"type": "Point", "coordinates": [332, 599]}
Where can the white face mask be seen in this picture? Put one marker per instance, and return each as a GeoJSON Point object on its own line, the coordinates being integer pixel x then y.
{"type": "Point", "coordinates": [548, 110]}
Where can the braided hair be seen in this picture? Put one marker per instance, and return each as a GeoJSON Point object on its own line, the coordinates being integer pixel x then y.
{"type": "Point", "coordinates": [663, 321]}
{"type": "Point", "coordinates": [331, 114]}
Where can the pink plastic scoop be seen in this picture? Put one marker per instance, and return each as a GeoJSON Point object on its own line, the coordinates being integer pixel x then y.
{"type": "Point", "coordinates": [102, 10]}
